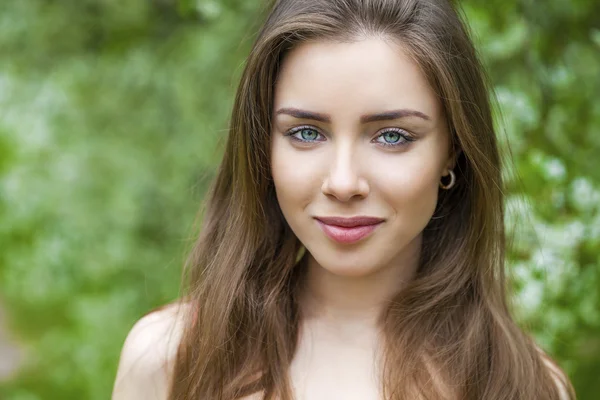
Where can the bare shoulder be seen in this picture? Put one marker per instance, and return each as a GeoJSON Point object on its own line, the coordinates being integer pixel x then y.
{"type": "Point", "coordinates": [148, 354]}
{"type": "Point", "coordinates": [560, 378]}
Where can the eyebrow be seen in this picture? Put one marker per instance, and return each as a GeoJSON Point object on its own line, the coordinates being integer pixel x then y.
{"type": "Point", "coordinates": [383, 116]}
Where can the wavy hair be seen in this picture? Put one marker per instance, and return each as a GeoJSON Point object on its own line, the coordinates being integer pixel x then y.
{"type": "Point", "coordinates": [449, 334]}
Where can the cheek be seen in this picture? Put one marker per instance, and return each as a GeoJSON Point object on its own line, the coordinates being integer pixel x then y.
{"type": "Point", "coordinates": [295, 177]}
{"type": "Point", "coordinates": [421, 193]}
{"type": "Point", "coordinates": [410, 187]}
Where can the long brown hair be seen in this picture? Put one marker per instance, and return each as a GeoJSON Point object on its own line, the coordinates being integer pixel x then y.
{"type": "Point", "coordinates": [449, 334]}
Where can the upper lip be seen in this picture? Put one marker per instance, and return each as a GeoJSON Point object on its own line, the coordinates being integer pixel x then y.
{"type": "Point", "coordinates": [350, 222]}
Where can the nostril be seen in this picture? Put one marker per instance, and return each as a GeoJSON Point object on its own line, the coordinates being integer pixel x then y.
{"type": "Point", "coordinates": [345, 189]}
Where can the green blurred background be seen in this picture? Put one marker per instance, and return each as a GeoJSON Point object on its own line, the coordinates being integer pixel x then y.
{"type": "Point", "coordinates": [112, 117]}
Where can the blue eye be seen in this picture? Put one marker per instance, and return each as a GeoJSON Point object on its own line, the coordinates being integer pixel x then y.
{"type": "Point", "coordinates": [304, 134]}
{"type": "Point", "coordinates": [394, 138]}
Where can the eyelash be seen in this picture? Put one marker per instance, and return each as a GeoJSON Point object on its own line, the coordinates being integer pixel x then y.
{"type": "Point", "coordinates": [405, 137]}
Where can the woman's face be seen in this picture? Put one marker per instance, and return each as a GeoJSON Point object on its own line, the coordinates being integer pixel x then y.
{"type": "Point", "coordinates": [357, 132]}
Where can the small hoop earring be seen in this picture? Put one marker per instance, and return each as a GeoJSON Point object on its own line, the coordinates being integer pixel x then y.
{"type": "Point", "coordinates": [452, 181]}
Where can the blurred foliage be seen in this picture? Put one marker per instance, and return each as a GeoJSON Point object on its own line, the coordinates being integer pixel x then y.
{"type": "Point", "coordinates": [111, 115]}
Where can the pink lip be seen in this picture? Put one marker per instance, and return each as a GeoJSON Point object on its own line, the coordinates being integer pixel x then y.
{"type": "Point", "coordinates": [348, 230]}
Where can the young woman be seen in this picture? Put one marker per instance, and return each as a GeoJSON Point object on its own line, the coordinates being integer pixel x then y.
{"type": "Point", "coordinates": [353, 242]}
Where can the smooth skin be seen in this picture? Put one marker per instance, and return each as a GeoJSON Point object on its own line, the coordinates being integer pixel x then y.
{"type": "Point", "coordinates": [356, 131]}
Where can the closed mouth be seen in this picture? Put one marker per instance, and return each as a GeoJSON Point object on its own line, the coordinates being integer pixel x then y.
{"type": "Point", "coordinates": [351, 222]}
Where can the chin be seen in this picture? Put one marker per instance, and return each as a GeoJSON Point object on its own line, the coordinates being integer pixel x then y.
{"type": "Point", "coordinates": [351, 266]}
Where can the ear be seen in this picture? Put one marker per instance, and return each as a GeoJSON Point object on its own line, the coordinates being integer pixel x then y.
{"type": "Point", "coordinates": [453, 158]}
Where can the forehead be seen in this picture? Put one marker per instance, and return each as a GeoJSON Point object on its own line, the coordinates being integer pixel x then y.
{"type": "Point", "coordinates": [348, 78]}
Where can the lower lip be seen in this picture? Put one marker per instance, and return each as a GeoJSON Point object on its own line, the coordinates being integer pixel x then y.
{"type": "Point", "coordinates": [347, 235]}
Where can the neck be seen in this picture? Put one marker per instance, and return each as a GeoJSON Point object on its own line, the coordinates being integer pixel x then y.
{"type": "Point", "coordinates": [356, 300]}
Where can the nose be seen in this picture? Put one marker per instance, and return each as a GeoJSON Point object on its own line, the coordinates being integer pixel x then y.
{"type": "Point", "coordinates": [343, 180]}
